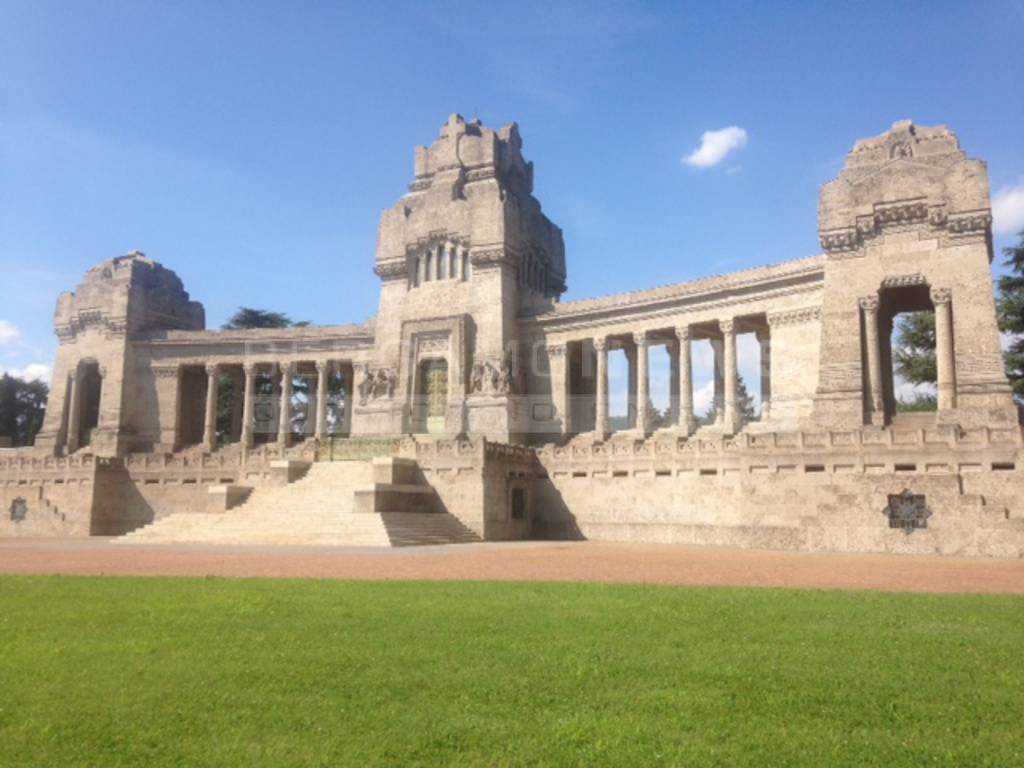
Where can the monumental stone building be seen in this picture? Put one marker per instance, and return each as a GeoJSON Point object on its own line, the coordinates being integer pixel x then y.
{"type": "Point", "coordinates": [476, 404]}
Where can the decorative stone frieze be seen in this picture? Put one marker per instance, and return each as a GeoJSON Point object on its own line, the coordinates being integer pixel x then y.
{"type": "Point", "coordinates": [794, 317]}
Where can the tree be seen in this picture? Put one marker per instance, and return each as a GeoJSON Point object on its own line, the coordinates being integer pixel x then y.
{"type": "Point", "coordinates": [1010, 303]}
{"type": "Point", "coordinates": [22, 407]}
{"type": "Point", "coordinates": [914, 356]}
{"type": "Point", "coordinates": [247, 317]}
{"type": "Point", "coordinates": [744, 399]}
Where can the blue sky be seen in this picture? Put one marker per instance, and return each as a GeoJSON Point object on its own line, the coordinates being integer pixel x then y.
{"type": "Point", "coordinates": [251, 146]}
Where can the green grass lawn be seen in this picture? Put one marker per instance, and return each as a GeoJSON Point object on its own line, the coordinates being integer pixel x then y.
{"type": "Point", "coordinates": [186, 672]}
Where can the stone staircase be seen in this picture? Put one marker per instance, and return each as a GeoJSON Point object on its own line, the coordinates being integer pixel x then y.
{"type": "Point", "coordinates": [321, 509]}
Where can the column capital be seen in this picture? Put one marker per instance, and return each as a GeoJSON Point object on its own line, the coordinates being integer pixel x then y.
{"type": "Point", "coordinates": [249, 369]}
{"type": "Point", "coordinates": [640, 339]}
{"type": "Point", "coordinates": [601, 344]}
{"type": "Point", "coordinates": [868, 303]}
{"type": "Point", "coordinates": [727, 326]}
{"type": "Point", "coordinates": [73, 373]}
{"type": "Point", "coordinates": [941, 295]}
{"type": "Point", "coordinates": [323, 366]}
{"type": "Point", "coordinates": [212, 368]}
{"type": "Point", "coordinates": [555, 350]}
{"type": "Point", "coordinates": [287, 368]}
{"type": "Point", "coordinates": [683, 332]}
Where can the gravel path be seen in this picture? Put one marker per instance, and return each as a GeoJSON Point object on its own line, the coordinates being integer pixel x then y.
{"type": "Point", "coordinates": [523, 561]}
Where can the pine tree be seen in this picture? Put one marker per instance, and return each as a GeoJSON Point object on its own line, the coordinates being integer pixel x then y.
{"type": "Point", "coordinates": [1011, 314]}
{"type": "Point", "coordinates": [247, 317]}
{"type": "Point", "coordinates": [914, 356]}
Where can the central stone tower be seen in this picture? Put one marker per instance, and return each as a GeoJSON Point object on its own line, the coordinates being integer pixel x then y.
{"type": "Point", "coordinates": [460, 256]}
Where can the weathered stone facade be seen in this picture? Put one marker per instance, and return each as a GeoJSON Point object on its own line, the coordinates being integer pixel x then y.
{"type": "Point", "coordinates": [500, 392]}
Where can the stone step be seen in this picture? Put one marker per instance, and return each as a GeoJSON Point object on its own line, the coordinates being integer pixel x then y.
{"type": "Point", "coordinates": [318, 509]}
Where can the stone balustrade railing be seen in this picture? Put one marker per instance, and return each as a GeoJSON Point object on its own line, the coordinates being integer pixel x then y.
{"type": "Point", "coordinates": [935, 449]}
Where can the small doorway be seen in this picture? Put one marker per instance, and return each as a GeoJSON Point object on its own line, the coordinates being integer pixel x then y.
{"type": "Point", "coordinates": [433, 396]}
{"type": "Point", "coordinates": [91, 391]}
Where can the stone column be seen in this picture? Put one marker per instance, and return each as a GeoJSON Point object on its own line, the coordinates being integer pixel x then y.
{"type": "Point", "coordinates": [74, 412]}
{"type": "Point", "coordinates": [945, 362]}
{"type": "Point", "coordinates": [210, 420]}
{"type": "Point", "coordinates": [322, 369]}
{"type": "Point", "coordinates": [869, 305]}
{"type": "Point", "coordinates": [687, 421]}
{"type": "Point", "coordinates": [284, 425]}
{"type": "Point", "coordinates": [732, 414]}
{"type": "Point", "coordinates": [247, 408]}
{"type": "Point", "coordinates": [643, 384]}
{"type": "Point", "coordinates": [601, 420]}
{"type": "Point", "coordinates": [764, 339]}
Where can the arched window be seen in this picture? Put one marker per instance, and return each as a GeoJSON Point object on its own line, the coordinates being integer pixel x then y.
{"type": "Point", "coordinates": [428, 271]}
{"type": "Point", "coordinates": [441, 263]}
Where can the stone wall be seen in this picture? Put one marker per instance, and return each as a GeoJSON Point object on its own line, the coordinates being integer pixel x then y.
{"type": "Point", "coordinates": [489, 486]}
{"type": "Point", "coordinates": [802, 490]}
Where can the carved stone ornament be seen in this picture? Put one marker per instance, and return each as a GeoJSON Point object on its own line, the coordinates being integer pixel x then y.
{"type": "Point", "coordinates": [556, 350]}
{"type": "Point", "coordinates": [377, 384]}
{"type": "Point", "coordinates": [868, 303]}
{"type": "Point", "coordinates": [907, 511]}
{"type": "Point", "coordinates": [794, 317]}
{"type": "Point", "coordinates": [491, 377]}
{"type": "Point", "coordinates": [941, 296]}
{"type": "Point", "coordinates": [392, 269]}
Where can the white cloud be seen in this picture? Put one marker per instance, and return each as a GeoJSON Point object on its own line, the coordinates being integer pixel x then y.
{"type": "Point", "coordinates": [31, 372]}
{"type": "Point", "coordinates": [9, 334]}
{"type": "Point", "coordinates": [703, 398]}
{"type": "Point", "coordinates": [1008, 210]}
{"type": "Point", "coordinates": [715, 146]}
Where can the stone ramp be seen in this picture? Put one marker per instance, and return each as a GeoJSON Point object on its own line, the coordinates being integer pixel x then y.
{"type": "Point", "coordinates": [318, 510]}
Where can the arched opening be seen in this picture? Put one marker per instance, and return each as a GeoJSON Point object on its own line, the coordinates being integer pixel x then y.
{"type": "Point", "coordinates": [432, 396]}
{"type": "Point", "coordinates": [90, 392]}
{"type": "Point", "coordinates": [906, 320]}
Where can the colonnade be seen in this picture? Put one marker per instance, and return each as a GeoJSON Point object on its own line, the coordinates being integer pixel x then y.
{"type": "Point", "coordinates": [678, 341]}
{"type": "Point", "coordinates": [285, 373]}
{"type": "Point", "coordinates": [441, 262]}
